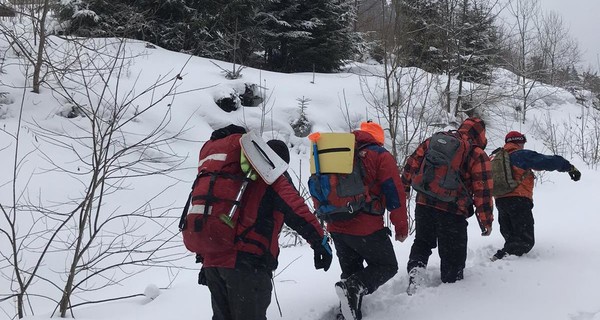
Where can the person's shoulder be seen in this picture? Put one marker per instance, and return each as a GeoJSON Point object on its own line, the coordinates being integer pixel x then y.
{"type": "Point", "coordinates": [478, 151]}
{"type": "Point", "coordinates": [524, 153]}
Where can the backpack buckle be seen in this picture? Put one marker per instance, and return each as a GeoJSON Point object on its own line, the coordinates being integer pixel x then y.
{"type": "Point", "coordinates": [350, 207]}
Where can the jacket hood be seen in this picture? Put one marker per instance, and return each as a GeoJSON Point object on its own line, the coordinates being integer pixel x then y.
{"type": "Point", "coordinates": [474, 130]}
{"type": "Point", "coordinates": [363, 137]}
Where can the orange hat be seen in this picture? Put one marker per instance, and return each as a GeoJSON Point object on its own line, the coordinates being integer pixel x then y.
{"type": "Point", "coordinates": [373, 129]}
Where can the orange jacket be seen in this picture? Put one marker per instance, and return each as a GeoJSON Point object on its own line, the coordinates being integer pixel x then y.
{"type": "Point", "coordinates": [525, 176]}
{"type": "Point", "coordinates": [523, 161]}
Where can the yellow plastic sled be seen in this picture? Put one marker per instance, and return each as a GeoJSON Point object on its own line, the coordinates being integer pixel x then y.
{"type": "Point", "coordinates": [336, 152]}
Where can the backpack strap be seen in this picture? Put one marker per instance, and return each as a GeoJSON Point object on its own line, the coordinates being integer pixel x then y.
{"type": "Point", "coordinates": [183, 220]}
{"type": "Point", "coordinates": [209, 197]}
{"type": "Point", "coordinates": [469, 147]}
{"type": "Point", "coordinates": [527, 171]}
{"type": "Point", "coordinates": [368, 206]}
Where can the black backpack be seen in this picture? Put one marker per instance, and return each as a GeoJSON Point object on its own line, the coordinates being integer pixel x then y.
{"type": "Point", "coordinates": [439, 175]}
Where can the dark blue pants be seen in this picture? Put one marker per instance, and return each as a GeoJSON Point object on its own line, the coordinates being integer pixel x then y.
{"type": "Point", "coordinates": [447, 231]}
{"type": "Point", "coordinates": [375, 249]}
{"type": "Point", "coordinates": [516, 224]}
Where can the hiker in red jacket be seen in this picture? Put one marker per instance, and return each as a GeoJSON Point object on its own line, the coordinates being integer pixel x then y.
{"type": "Point", "coordinates": [444, 224]}
{"type": "Point", "coordinates": [515, 214]}
{"type": "Point", "coordinates": [364, 237]}
{"type": "Point", "coordinates": [240, 279]}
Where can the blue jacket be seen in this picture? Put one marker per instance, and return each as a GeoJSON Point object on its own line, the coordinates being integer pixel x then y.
{"type": "Point", "coordinates": [528, 159]}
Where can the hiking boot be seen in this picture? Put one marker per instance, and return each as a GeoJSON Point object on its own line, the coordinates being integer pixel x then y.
{"type": "Point", "coordinates": [416, 278]}
{"type": "Point", "coordinates": [350, 293]}
{"type": "Point", "coordinates": [498, 255]}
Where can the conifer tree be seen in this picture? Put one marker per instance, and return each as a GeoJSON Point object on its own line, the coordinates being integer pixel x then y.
{"type": "Point", "coordinates": [327, 38]}
{"type": "Point", "coordinates": [478, 42]}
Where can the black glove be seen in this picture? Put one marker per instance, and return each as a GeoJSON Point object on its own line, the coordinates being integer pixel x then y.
{"type": "Point", "coordinates": [323, 255]}
{"type": "Point", "coordinates": [574, 173]}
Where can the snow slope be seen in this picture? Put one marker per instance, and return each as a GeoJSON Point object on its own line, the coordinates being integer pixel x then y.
{"type": "Point", "coordinates": [557, 280]}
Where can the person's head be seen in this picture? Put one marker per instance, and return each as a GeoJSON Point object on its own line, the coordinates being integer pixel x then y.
{"type": "Point", "coordinates": [374, 130]}
{"type": "Point", "coordinates": [474, 128]}
{"type": "Point", "coordinates": [225, 131]}
{"type": "Point", "coordinates": [280, 148]}
{"type": "Point", "coordinates": [515, 137]}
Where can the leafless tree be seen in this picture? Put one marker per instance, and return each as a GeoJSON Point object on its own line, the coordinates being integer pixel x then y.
{"type": "Point", "coordinates": [18, 270]}
{"type": "Point", "coordinates": [523, 43]}
{"type": "Point", "coordinates": [558, 49]}
{"type": "Point", "coordinates": [110, 155]}
{"type": "Point", "coordinates": [100, 236]}
{"type": "Point", "coordinates": [29, 39]}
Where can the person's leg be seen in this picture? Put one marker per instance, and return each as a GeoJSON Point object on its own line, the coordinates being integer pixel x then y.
{"type": "Point", "coordinates": [377, 250]}
{"type": "Point", "coordinates": [516, 224]}
{"type": "Point", "coordinates": [452, 246]}
{"type": "Point", "coordinates": [523, 238]}
{"type": "Point", "coordinates": [504, 218]}
{"type": "Point", "coordinates": [248, 292]}
{"type": "Point", "coordinates": [350, 261]}
{"type": "Point", "coordinates": [218, 294]}
{"type": "Point", "coordinates": [425, 237]}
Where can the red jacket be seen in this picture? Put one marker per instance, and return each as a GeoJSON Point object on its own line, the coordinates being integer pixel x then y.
{"type": "Point", "coordinates": [476, 176]}
{"type": "Point", "coordinates": [264, 210]}
{"type": "Point", "coordinates": [383, 178]}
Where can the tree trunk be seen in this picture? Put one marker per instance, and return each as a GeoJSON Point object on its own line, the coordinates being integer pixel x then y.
{"type": "Point", "coordinates": [20, 305]}
{"type": "Point", "coordinates": [37, 69]}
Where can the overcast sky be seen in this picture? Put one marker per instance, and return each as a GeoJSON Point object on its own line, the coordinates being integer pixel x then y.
{"type": "Point", "coordinates": [583, 19]}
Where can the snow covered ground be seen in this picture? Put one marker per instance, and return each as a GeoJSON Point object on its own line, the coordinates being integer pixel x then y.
{"type": "Point", "coordinates": [557, 280]}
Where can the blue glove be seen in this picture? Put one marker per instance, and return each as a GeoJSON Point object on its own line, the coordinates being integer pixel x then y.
{"type": "Point", "coordinates": [323, 256]}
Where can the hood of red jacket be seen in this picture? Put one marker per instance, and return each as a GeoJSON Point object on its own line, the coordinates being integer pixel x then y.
{"type": "Point", "coordinates": [474, 129]}
{"type": "Point", "coordinates": [363, 137]}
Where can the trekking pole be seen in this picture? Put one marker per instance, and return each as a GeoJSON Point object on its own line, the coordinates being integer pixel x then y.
{"type": "Point", "coordinates": [228, 218]}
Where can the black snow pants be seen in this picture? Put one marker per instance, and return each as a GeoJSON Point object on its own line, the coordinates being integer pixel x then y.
{"type": "Point", "coordinates": [375, 249]}
{"type": "Point", "coordinates": [516, 224]}
{"type": "Point", "coordinates": [238, 294]}
{"type": "Point", "coordinates": [446, 230]}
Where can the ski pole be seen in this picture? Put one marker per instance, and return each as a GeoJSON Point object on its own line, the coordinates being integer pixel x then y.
{"type": "Point", "coordinates": [228, 218]}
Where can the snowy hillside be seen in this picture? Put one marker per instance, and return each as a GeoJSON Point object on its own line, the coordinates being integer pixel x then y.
{"type": "Point", "coordinates": [557, 280]}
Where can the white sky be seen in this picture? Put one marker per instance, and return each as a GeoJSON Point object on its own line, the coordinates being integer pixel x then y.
{"type": "Point", "coordinates": [583, 16]}
{"type": "Point", "coordinates": [558, 280]}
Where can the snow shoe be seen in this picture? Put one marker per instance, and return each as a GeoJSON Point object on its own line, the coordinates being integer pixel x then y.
{"type": "Point", "coordinates": [416, 279]}
{"type": "Point", "coordinates": [498, 255]}
{"type": "Point", "coordinates": [350, 292]}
